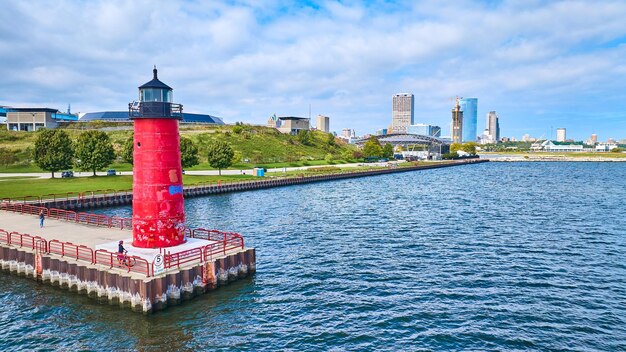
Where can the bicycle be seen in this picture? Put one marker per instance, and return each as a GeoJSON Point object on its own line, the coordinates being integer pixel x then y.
{"type": "Point", "coordinates": [126, 260]}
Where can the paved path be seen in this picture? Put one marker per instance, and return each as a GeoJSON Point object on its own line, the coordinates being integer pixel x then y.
{"type": "Point", "coordinates": [64, 231]}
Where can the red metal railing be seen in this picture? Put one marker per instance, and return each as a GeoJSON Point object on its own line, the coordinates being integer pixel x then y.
{"type": "Point", "coordinates": [61, 214]}
{"type": "Point", "coordinates": [111, 259]}
{"type": "Point", "coordinates": [229, 239]}
{"type": "Point", "coordinates": [68, 215]}
{"type": "Point", "coordinates": [78, 252]}
{"type": "Point", "coordinates": [171, 260]}
{"type": "Point", "coordinates": [5, 237]}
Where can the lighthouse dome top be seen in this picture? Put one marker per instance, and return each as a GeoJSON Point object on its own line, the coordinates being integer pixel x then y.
{"type": "Point", "coordinates": [155, 90]}
{"type": "Point", "coordinates": [155, 83]}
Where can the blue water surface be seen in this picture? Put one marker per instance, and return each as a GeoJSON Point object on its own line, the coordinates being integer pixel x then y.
{"type": "Point", "coordinates": [496, 256]}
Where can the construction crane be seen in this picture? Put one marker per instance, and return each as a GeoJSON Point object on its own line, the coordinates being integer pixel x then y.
{"type": "Point", "coordinates": [457, 123]}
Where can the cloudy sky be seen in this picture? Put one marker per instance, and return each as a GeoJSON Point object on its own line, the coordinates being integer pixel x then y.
{"type": "Point", "coordinates": [539, 64]}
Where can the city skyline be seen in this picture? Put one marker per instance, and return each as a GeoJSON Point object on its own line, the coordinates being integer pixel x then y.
{"type": "Point", "coordinates": [539, 65]}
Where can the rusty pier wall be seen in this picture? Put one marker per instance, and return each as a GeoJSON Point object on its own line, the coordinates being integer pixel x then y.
{"type": "Point", "coordinates": [114, 287]}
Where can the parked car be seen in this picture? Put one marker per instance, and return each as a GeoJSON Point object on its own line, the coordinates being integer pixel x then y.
{"type": "Point", "coordinates": [66, 174]}
{"type": "Point", "coordinates": [111, 172]}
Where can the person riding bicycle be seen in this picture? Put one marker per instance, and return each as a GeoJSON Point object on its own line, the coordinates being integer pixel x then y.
{"type": "Point", "coordinates": [121, 252]}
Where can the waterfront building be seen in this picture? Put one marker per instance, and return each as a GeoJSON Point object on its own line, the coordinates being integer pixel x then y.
{"type": "Point", "coordinates": [552, 146]}
{"type": "Point", "coordinates": [323, 123]}
{"type": "Point", "coordinates": [457, 123]}
{"type": "Point", "coordinates": [594, 139]}
{"type": "Point", "coordinates": [32, 119]}
{"type": "Point", "coordinates": [561, 135]}
{"type": "Point", "coordinates": [605, 147]}
{"type": "Point", "coordinates": [469, 106]}
{"type": "Point", "coordinates": [402, 112]}
{"type": "Point", "coordinates": [425, 130]}
{"type": "Point", "coordinates": [292, 124]}
{"type": "Point", "coordinates": [346, 133]}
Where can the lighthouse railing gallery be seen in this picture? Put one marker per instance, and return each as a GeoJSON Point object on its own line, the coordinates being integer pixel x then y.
{"type": "Point", "coordinates": [221, 242]}
{"type": "Point", "coordinates": [155, 109]}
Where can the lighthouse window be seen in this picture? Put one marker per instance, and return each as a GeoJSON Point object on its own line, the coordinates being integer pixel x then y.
{"type": "Point", "coordinates": [139, 144]}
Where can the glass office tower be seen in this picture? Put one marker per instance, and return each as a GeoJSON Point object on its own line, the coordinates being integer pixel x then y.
{"type": "Point", "coordinates": [470, 117]}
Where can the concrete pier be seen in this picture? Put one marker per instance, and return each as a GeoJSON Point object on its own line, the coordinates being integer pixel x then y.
{"type": "Point", "coordinates": [72, 256]}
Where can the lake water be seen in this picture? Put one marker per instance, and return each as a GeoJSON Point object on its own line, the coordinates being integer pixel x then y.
{"type": "Point", "coordinates": [495, 256]}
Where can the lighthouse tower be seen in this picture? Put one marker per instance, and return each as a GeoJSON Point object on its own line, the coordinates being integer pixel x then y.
{"type": "Point", "coordinates": [158, 205]}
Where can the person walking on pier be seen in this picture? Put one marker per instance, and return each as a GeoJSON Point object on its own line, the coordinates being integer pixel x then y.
{"type": "Point", "coordinates": [41, 218]}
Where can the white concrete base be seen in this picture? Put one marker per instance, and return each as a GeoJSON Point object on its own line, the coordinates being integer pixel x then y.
{"type": "Point", "coordinates": [150, 253]}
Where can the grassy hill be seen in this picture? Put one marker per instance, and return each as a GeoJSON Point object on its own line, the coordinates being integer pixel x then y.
{"type": "Point", "coordinates": [260, 146]}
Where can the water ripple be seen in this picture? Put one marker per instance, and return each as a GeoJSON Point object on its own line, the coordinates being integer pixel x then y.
{"type": "Point", "coordinates": [499, 256]}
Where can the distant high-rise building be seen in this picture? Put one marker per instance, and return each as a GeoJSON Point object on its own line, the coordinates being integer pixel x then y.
{"type": "Point", "coordinates": [346, 133]}
{"type": "Point", "coordinates": [457, 123]}
{"type": "Point", "coordinates": [561, 135]}
{"type": "Point", "coordinates": [492, 129]}
{"type": "Point", "coordinates": [402, 112]}
{"type": "Point", "coordinates": [425, 130]}
{"type": "Point", "coordinates": [323, 123]}
{"type": "Point", "coordinates": [470, 118]}
{"type": "Point", "coordinates": [594, 139]}
{"type": "Point", "coordinates": [381, 132]}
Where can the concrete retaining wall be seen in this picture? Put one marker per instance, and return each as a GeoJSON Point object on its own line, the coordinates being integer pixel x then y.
{"type": "Point", "coordinates": [142, 295]}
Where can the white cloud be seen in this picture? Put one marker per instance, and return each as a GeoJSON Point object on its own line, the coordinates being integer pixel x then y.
{"type": "Point", "coordinates": [247, 60]}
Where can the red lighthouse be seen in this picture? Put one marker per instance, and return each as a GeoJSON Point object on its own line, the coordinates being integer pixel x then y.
{"type": "Point", "coordinates": [158, 205]}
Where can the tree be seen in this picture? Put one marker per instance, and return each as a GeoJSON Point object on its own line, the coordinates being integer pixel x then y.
{"type": "Point", "coordinates": [455, 147]}
{"type": "Point", "coordinates": [127, 152]}
{"type": "Point", "coordinates": [330, 139]}
{"type": "Point", "coordinates": [188, 153]}
{"type": "Point", "coordinates": [53, 150]}
{"type": "Point", "coordinates": [7, 157]}
{"type": "Point", "coordinates": [94, 151]}
{"type": "Point", "coordinates": [388, 151]}
{"type": "Point", "coordinates": [220, 155]}
{"type": "Point", "coordinates": [347, 155]}
{"type": "Point", "coordinates": [372, 148]}
{"type": "Point", "coordinates": [329, 158]}
{"type": "Point", "coordinates": [304, 137]}
{"type": "Point", "coordinates": [237, 157]}
{"type": "Point", "coordinates": [469, 147]}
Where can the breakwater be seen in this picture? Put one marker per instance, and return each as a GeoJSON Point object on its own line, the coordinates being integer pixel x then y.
{"type": "Point", "coordinates": [89, 201]}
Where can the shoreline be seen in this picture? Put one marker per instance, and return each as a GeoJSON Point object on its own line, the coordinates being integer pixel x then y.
{"type": "Point", "coordinates": [546, 158]}
{"type": "Point", "coordinates": [87, 201]}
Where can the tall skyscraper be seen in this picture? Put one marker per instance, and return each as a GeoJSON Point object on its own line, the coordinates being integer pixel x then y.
{"type": "Point", "coordinates": [470, 118]}
{"type": "Point", "coordinates": [323, 123]}
{"type": "Point", "coordinates": [457, 123]}
{"type": "Point", "coordinates": [561, 135]}
{"type": "Point", "coordinates": [492, 129]}
{"type": "Point", "coordinates": [402, 112]}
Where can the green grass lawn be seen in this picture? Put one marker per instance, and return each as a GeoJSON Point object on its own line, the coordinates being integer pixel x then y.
{"type": "Point", "coordinates": [13, 188]}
